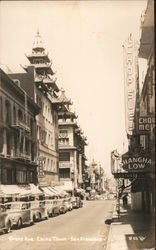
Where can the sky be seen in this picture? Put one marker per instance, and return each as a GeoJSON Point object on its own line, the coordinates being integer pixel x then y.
{"type": "Point", "coordinates": [84, 40]}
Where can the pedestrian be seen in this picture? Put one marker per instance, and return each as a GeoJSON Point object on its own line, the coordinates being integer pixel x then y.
{"type": "Point", "coordinates": [124, 200]}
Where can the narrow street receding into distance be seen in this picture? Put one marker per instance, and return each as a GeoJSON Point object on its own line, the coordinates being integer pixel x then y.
{"type": "Point", "coordinates": [82, 228]}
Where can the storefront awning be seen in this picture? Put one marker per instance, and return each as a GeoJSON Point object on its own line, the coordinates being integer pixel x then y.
{"type": "Point", "coordinates": [9, 190]}
{"type": "Point", "coordinates": [35, 190]}
{"type": "Point", "coordinates": [60, 190]}
{"type": "Point", "coordinates": [53, 190]}
{"type": "Point", "coordinates": [47, 191]}
{"type": "Point", "coordinates": [19, 190]}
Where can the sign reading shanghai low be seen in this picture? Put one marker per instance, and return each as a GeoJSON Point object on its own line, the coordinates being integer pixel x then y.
{"type": "Point", "coordinates": [137, 163]}
{"type": "Point", "coordinates": [130, 53]}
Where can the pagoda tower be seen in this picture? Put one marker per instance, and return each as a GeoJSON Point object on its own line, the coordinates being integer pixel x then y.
{"type": "Point", "coordinates": [44, 75]}
{"type": "Point", "coordinates": [71, 145]}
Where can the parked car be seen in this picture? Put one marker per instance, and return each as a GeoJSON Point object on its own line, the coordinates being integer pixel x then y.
{"type": "Point", "coordinates": [49, 206]}
{"type": "Point", "coordinates": [68, 204]}
{"type": "Point", "coordinates": [63, 206]}
{"type": "Point", "coordinates": [80, 202]}
{"type": "Point", "coordinates": [38, 210]}
{"type": "Point", "coordinates": [19, 212]}
{"type": "Point", "coordinates": [56, 206]}
{"type": "Point", "coordinates": [76, 202]}
{"type": "Point", "coordinates": [5, 220]}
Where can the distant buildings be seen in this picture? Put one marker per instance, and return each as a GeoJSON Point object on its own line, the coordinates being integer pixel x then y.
{"type": "Point", "coordinates": [95, 178]}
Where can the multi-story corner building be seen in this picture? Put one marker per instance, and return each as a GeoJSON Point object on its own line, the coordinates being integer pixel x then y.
{"type": "Point", "coordinates": [71, 146]}
{"type": "Point", "coordinates": [139, 161]}
{"type": "Point", "coordinates": [18, 138]}
{"type": "Point", "coordinates": [146, 117]}
{"type": "Point", "coordinates": [40, 85]}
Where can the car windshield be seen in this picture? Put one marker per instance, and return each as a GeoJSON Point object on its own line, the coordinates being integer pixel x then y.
{"type": "Point", "coordinates": [13, 206]}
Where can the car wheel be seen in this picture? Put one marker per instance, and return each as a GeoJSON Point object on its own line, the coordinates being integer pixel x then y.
{"type": "Point", "coordinates": [19, 223]}
{"type": "Point", "coordinates": [34, 218]}
{"type": "Point", "coordinates": [39, 217]}
{"type": "Point", "coordinates": [8, 227]}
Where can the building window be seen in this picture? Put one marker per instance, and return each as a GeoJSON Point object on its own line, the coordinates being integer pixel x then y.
{"type": "Point", "coordinates": [1, 140]}
{"type": "Point", "coordinates": [42, 135]}
{"type": "Point", "coordinates": [21, 176]}
{"type": "Point", "coordinates": [8, 139]}
{"type": "Point", "coordinates": [31, 126]}
{"type": "Point", "coordinates": [48, 166]}
{"type": "Point", "coordinates": [1, 109]}
{"type": "Point", "coordinates": [4, 176]}
{"type": "Point", "coordinates": [64, 172]}
{"type": "Point", "coordinates": [14, 115]}
{"type": "Point", "coordinates": [20, 116]}
{"type": "Point", "coordinates": [64, 156]}
{"type": "Point", "coordinates": [32, 151]}
{"type": "Point", "coordinates": [63, 133]}
{"type": "Point", "coordinates": [15, 143]}
{"type": "Point", "coordinates": [8, 111]}
{"type": "Point", "coordinates": [63, 141]}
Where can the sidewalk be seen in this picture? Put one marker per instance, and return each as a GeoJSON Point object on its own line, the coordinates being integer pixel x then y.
{"type": "Point", "coordinates": [133, 230]}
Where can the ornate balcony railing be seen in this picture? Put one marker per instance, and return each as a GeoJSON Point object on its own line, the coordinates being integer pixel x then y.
{"type": "Point", "coordinates": [21, 125]}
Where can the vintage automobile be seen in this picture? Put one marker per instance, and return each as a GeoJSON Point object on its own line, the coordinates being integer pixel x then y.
{"type": "Point", "coordinates": [49, 206]}
{"type": "Point", "coordinates": [63, 206]}
{"type": "Point", "coordinates": [5, 220]}
{"type": "Point", "coordinates": [68, 204]}
{"type": "Point", "coordinates": [77, 202]}
{"type": "Point", "coordinates": [56, 206]}
{"type": "Point", "coordinates": [19, 212]}
{"type": "Point", "coordinates": [38, 210]}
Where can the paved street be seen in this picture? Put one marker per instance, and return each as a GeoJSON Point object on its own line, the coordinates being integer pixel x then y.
{"type": "Point", "coordinates": [82, 228]}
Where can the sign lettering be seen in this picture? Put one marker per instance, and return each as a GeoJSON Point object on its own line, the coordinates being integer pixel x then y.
{"type": "Point", "coordinates": [130, 81]}
{"type": "Point", "coordinates": [136, 163]}
{"type": "Point", "coordinates": [145, 124]}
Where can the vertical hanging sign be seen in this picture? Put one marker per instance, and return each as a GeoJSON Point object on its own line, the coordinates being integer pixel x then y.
{"type": "Point", "coordinates": [130, 81]}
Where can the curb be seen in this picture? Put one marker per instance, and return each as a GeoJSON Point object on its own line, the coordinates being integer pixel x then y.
{"type": "Point", "coordinates": [108, 244]}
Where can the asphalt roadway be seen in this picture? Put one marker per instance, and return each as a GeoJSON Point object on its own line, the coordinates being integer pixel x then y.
{"type": "Point", "coordinates": [80, 229]}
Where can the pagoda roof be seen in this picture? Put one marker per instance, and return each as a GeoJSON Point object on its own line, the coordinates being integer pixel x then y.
{"type": "Point", "coordinates": [55, 100]}
{"type": "Point", "coordinates": [51, 83]}
{"type": "Point", "coordinates": [39, 67]}
{"type": "Point", "coordinates": [38, 44]}
{"type": "Point", "coordinates": [67, 114]}
{"type": "Point", "coordinates": [45, 66]}
{"type": "Point", "coordinates": [67, 123]}
{"type": "Point", "coordinates": [42, 86]}
{"type": "Point", "coordinates": [64, 99]}
{"type": "Point", "coordinates": [38, 55]}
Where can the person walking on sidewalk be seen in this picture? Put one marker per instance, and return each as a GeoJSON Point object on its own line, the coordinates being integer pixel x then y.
{"type": "Point", "coordinates": [124, 199]}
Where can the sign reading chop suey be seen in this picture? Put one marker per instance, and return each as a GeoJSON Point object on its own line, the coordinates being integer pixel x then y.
{"type": "Point", "coordinates": [130, 81]}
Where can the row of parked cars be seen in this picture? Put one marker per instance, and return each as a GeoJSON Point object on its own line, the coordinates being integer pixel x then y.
{"type": "Point", "coordinates": [17, 213]}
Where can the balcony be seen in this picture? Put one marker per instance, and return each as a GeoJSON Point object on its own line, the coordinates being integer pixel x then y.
{"type": "Point", "coordinates": [65, 165]}
{"type": "Point", "coordinates": [21, 125]}
{"type": "Point", "coordinates": [22, 156]}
